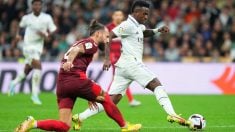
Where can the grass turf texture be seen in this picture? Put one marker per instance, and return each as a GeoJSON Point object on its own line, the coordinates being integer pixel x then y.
{"type": "Point", "coordinates": [219, 111]}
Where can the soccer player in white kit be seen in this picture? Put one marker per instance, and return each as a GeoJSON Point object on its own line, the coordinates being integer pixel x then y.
{"type": "Point", "coordinates": [38, 26]}
{"type": "Point", "coordinates": [130, 66]}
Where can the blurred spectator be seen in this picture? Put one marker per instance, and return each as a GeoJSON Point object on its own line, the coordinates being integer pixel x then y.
{"type": "Point", "coordinates": [63, 45]}
{"type": "Point", "coordinates": [159, 51]}
{"type": "Point", "coordinates": [172, 53]}
{"type": "Point", "coordinates": [226, 45]}
{"type": "Point", "coordinates": [185, 49]}
{"type": "Point", "coordinates": [225, 17]}
{"type": "Point", "coordinates": [209, 48]}
{"type": "Point", "coordinates": [233, 42]}
{"type": "Point", "coordinates": [206, 31]}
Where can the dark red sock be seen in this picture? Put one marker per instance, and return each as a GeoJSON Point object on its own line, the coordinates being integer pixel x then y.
{"type": "Point", "coordinates": [112, 111]}
{"type": "Point", "coordinates": [52, 125]}
{"type": "Point", "coordinates": [129, 95]}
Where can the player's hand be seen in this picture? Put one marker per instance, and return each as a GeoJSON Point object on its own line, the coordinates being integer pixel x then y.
{"type": "Point", "coordinates": [92, 105]}
{"type": "Point", "coordinates": [44, 35]}
{"type": "Point", "coordinates": [107, 64]}
{"type": "Point", "coordinates": [67, 66]}
{"type": "Point", "coordinates": [164, 29]}
{"type": "Point", "coordinates": [18, 38]}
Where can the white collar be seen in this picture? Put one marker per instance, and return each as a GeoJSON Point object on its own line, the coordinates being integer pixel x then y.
{"type": "Point", "coordinates": [38, 15]}
{"type": "Point", "coordinates": [133, 20]}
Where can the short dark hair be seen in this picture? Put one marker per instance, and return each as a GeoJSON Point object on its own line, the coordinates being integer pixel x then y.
{"type": "Point", "coordinates": [139, 3]}
{"type": "Point", "coordinates": [117, 9]}
{"type": "Point", "coordinates": [95, 26]}
{"type": "Point", "coordinates": [36, 1]}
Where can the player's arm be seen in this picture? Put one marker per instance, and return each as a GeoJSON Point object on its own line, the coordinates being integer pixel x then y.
{"type": "Point", "coordinates": [23, 24]}
{"type": "Point", "coordinates": [43, 35]}
{"type": "Point", "coordinates": [158, 31]}
{"type": "Point", "coordinates": [51, 28]}
{"type": "Point", "coordinates": [70, 55]}
{"type": "Point", "coordinates": [107, 62]}
{"type": "Point", "coordinates": [18, 36]}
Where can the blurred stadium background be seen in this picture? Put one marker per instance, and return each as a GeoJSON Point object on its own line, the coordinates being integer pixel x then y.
{"type": "Point", "coordinates": [195, 58]}
{"type": "Point", "coordinates": [200, 30]}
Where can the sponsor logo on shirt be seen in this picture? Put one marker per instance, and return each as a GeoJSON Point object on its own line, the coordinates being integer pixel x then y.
{"type": "Point", "coordinates": [88, 45]}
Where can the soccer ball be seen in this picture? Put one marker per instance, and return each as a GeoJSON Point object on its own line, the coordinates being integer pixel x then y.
{"type": "Point", "coordinates": [198, 122]}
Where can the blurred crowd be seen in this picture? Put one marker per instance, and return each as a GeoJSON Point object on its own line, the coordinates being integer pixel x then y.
{"type": "Point", "coordinates": [200, 30]}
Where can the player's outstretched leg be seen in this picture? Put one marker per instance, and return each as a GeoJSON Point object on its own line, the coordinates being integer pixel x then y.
{"type": "Point", "coordinates": [113, 112]}
{"type": "Point", "coordinates": [79, 118]}
{"type": "Point", "coordinates": [48, 125]}
{"type": "Point", "coordinates": [165, 102]}
{"type": "Point", "coordinates": [36, 78]}
{"type": "Point", "coordinates": [18, 79]}
{"type": "Point", "coordinates": [35, 86]}
{"type": "Point", "coordinates": [13, 83]}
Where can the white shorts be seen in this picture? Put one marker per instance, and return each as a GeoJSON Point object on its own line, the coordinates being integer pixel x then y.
{"type": "Point", "coordinates": [30, 54]}
{"type": "Point", "coordinates": [133, 71]}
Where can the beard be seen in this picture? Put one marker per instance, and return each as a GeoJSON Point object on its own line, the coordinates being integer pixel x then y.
{"type": "Point", "coordinates": [101, 46]}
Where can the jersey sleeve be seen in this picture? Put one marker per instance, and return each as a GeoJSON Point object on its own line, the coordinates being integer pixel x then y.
{"type": "Point", "coordinates": [23, 22]}
{"type": "Point", "coordinates": [51, 25]}
{"type": "Point", "coordinates": [143, 27]}
{"type": "Point", "coordinates": [89, 48]}
{"type": "Point", "coordinates": [124, 29]}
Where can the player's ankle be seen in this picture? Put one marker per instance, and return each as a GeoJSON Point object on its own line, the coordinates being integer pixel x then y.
{"type": "Point", "coordinates": [125, 125]}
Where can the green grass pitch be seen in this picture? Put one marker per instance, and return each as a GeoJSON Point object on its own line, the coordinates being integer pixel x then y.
{"type": "Point", "coordinates": [219, 111]}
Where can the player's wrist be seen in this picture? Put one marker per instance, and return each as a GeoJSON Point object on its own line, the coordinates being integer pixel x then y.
{"type": "Point", "coordinates": [46, 34]}
{"type": "Point", "coordinates": [69, 62]}
{"type": "Point", "coordinates": [156, 31]}
{"type": "Point", "coordinates": [106, 58]}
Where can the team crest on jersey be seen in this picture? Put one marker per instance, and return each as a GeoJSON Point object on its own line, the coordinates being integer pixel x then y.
{"type": "Point", "coordinates": [88, 45]}
{"type": "Point", "coordinates": [121, 29]}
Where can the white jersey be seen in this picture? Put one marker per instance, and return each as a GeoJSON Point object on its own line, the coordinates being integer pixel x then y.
{"type": "Point", "coordinates": [130, 66]}
{"type": "Point", "coordinates": [33, 24]}
{"type": "Point", "coordinates": [132, 37]}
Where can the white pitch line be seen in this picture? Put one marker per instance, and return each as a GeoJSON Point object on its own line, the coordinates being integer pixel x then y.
{"type": "Point", "coordinates": [231, 126]}
{"type": "Point", "coordinates": [106, 128]}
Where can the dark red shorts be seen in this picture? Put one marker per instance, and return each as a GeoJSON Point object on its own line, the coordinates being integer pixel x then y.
{"type": "Point", "coordinates": [69, 87]}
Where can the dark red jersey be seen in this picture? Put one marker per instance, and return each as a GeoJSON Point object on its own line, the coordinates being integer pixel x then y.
{"type": "Point", "coordinates": [74, 83]}
{"type": "Point", "coordinates": [115, 48]}
{"type": "Point", "coordinates": [81, 62]}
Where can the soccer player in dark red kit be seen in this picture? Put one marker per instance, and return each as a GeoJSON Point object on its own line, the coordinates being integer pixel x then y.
{"type": "Point", "coordinates": [72, 82]}
{"type": "Point", "coordinates": [115, 51]}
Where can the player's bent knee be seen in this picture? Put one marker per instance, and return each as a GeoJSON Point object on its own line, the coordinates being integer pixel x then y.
{"type": "Point", "coordinates": [36, 64]}
{"type": "Point", "coordinates": [116, 98]}
{"type": "Point", "coordinates": [100, 98]}
{"type": "Point", "coordinates": [153, 84]}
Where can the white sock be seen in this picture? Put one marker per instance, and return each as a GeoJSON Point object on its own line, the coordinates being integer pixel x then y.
{"type": "Point", "coordinates": [36, 82]}
{"type": "Point", "coordinates": [164, 100]}
{"type": "Point", "coordinates": [19, 78]}
{"type": "Point", "coordinates": [88, 112]}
